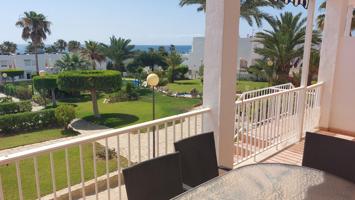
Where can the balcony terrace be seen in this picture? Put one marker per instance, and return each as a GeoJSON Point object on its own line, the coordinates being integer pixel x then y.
{"type": "Point", "coordinates": [261, 126]}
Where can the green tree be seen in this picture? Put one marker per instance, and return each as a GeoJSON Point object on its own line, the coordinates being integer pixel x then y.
{"type": "Point", "coordinates": [61, 45]}
{"type": "Point", "coordinates": [173, 60]}
{"type": "Point", "coordinates": [90, 80]}
{"type": "Point", "coordinates": [119, 50]}
{"type": "Point", "coordinates": [94, 52]}
{"type": "Point", "coordinates": [12, 73]}
{"type": "Point", "coordinates": [150, 58]}
{"type": "Point", "coordinates": [51, 49]}
{"type": "Point", "coordinates": [250, 10]}
{"type": "Point", "coordinates": [34, 26]}
{"type": "Point", "coordinates": [70, 62]}
{"type": "Point", "coordinates": [284, 43]}
{"type": "Point", "coordinates": [8, 48]}
{"type": "Point", "coordinates": [74, 46]}
{"type": "Point", "coordinates": [30, 48]}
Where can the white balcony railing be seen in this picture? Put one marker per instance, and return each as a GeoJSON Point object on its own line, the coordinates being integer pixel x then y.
{"type": "Point", "coordinates": [133, 143]}
{"type": "Point", "coordinates": [265, 91]}
{"type": "Point", "coordinates": [267, 121]}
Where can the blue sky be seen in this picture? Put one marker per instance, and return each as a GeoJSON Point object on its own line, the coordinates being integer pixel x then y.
{"type": "Point", "coordinates": [159, 22]}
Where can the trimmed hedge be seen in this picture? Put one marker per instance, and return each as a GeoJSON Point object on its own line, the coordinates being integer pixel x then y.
{"type": "Point", "coordinates": [28, 121]}
{"type": "Point", "coordinates": [107, 80]}
{"type": "Point", "coordinates": [15, 107]}
{"type": "Point", "coordinates": [46, 82]}
{"type": "Point", "coordinates": [12, 73]}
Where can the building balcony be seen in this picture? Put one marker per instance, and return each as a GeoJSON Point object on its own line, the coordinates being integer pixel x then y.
{"type": "Point", "coordinates": [266, 129]}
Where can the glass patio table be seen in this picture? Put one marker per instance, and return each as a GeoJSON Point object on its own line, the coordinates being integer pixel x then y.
{"type": "Point", "coordinates": [271, 182]}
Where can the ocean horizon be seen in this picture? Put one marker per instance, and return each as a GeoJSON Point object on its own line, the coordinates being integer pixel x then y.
{"type": "Point", "coordinates": [182, 49]}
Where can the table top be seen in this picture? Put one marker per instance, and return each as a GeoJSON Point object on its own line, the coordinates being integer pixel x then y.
{"type": "Point", "coordinates": [271, 182]}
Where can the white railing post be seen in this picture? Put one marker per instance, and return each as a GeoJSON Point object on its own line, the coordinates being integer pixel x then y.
{"type": "Point", "coordinates": [222, 28]}
{"type": "Point", "coordinates": [305, 65]}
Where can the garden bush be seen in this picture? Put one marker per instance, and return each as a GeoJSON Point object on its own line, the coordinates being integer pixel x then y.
{"type": "Point", "coordinates": [5, 99]}
{"type": "Point", "coordinates": [19, 91]}
{"type": "Point", "coordinates": [64, 114]}
{"type": "Point", "coordinates": [28, 121]}
{"type": "Point", "coordinates": [40, 100]}
{"type": "Point", "coordinates": [15, 107]}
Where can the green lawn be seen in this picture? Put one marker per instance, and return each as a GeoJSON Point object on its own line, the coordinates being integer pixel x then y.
{"type": "Point", "coordinates": [11, 141]}
{"type": "Point", "coordinates": [9, 181]}
{"type": "Point", "coordinates": [132, 112]}
{"type": "Point", "coordinates": [187, 85]}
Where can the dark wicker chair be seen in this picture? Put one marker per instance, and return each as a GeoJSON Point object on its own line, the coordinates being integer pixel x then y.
{"type": "Point", "coordinates": [198, 159]}
{"type": "Point", "coordinates": [330, 154]}
{"type": "Point", "coordinates": [158, 179]}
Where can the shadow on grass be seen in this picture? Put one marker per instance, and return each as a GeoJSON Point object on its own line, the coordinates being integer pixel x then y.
{"type": "Point", "coordinates": [113, 120]}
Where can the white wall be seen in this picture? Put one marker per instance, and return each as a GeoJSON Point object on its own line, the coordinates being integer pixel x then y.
{"type": "Point", "coordinates": [337, 70]}
{"type": "Point", "coordinates": [342, 115]}
{"type": "Point", "coordinates": [27, 62]}
{"type": "Point", "coordinates": [195, 58]}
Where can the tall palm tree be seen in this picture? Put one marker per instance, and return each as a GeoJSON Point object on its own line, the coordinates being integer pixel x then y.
{"type": "Point", "coordinates": [321, 17]}
{"type": "Point", "coordinates": [61, 45]}
{"type": "Point", "coordinates": [173, 60]}
{"type": "Point", "coordinates": [8, 48]}
{"type": "Point", "coordinates": [70, 62]}
{"type": "Point", "coordinates": [284, 43]}
{"type": "Point", "coordinates": [250, 10]}
{"type": "Point", "coordinates": [93, 51]}
{"type": "Point", "coordinates": [35, 26]}
{"type": "Point", "coordinates": [119, 50]}
{"type": "Point", "coordinates": [74, 46]}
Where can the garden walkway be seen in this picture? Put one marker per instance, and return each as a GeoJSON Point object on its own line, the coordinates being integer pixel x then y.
{"type": "Point", "coordinates": [35, 107]}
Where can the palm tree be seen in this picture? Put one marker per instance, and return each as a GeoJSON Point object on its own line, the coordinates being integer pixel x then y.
{"type": "Point", "coordinates": [250, 10]}
{"type": "Point", "coordinates": [8, 48]}
{"type": "Point", "coordinates": [119, 50]}
{"type": "Point", "coordinates": [283, 44]}
{"type": "Point", "coordinates": [35, 27]}
{"type": "Point", "coordinates": [94, 52]}
{"type": "Point", "coordinates": [61, 45]}
{"type": "Point", "coordinates": [321, 17]}
{"type": "Point", "coordinates": [74, 46]}
{"type": "Point", "coordinates": [173, 60]}
{"type": "Point", "coordinates": [71, 62]}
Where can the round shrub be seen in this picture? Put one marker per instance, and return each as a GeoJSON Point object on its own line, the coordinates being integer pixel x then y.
{"type": "Point", "coordinates": [99, 80]}
{"type": "Point", "coordinates": [64, 114]}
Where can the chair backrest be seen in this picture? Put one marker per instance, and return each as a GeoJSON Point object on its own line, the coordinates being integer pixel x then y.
{"type": "Point", "coordinates": [198, 159]}
{"type": "Point", "coordinates": [330, 154]}
{"type": "Point", "coordinates": [158, 179]}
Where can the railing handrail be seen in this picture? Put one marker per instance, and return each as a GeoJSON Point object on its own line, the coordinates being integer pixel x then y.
{"type": "Point", "coordinates": [315, 85]}
{"type": "Point", "coordinates": [269, 95]}
{"type": "Point", "coordinates": [94, 137]}
{"type": "Point", "coordinates": [276, 87]}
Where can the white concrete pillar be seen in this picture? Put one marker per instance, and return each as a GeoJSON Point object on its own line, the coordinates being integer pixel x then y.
{"type": "Point", "coordinates": [334, 28]}
{"type": "Point", "coordinates": [222, 34]}
{"type": "Point", "coordinates": [305, 63]}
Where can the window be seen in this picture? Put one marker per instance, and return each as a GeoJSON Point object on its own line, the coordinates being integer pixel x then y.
{"type": "Point", "coordinates": [3, 63]}
{"type": "Point", "coordinates": [28, 62]}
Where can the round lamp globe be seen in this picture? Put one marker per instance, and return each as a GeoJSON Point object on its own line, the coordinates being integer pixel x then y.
{"type": "Point", "coordinates": [153, 80]}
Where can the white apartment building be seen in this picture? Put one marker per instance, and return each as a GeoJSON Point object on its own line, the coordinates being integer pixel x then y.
{"type": "Point", "coordinates": [27, 62]}
{"type": "Point", "coordinates": [194, 59]}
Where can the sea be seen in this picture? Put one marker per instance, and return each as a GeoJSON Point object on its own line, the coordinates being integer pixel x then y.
{"type": "Point", "coordinates": [182, 49]}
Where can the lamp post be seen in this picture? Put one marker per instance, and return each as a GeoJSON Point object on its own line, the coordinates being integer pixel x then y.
{"type": "Point", "coordinates": [152, 81]}
{"type": "Point", "coordinates": [4, 75]}
{"type": "Point", "coordinates": [42, 73]}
